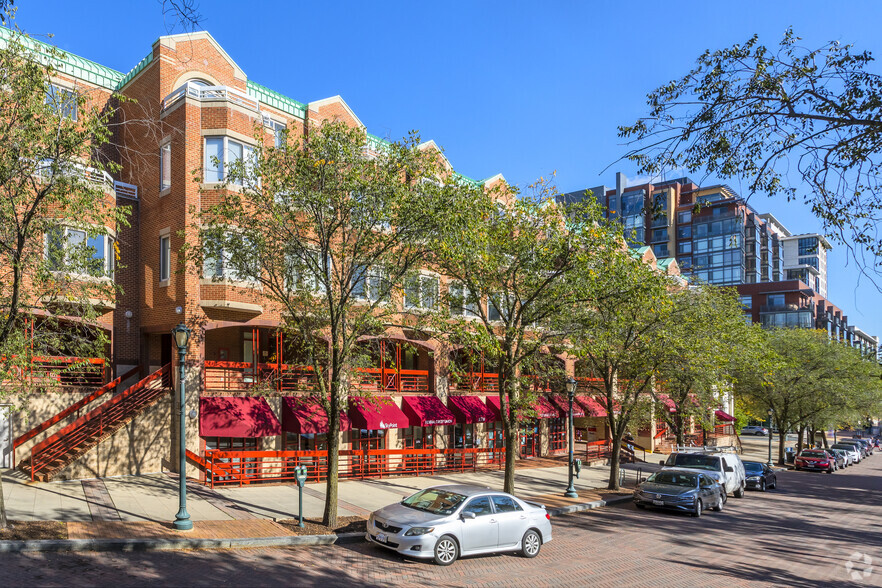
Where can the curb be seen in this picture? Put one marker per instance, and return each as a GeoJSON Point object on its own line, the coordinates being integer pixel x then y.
{"type": "Point", "coordinates": [588, 505]}
{"type": "Point", "coordinates": [129, 545]}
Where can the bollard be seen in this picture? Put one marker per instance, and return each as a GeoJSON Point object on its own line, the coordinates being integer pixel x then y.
{"type": "Point", "coordinates": [300, 473]}
{"type": "Point", "coordinates": [621, 477]}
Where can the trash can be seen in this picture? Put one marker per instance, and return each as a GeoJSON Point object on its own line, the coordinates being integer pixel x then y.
{"type": "Point", "coordinates": [789, 454]}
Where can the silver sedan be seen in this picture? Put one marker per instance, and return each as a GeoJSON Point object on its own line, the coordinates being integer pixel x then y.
{"type": "Point", "coordinates": [446, 522]}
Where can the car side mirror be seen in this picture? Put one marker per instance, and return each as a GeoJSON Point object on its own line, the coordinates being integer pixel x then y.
{"type": "Point", "coordinates": [729, 469]}
{"type": "Point", "coordinates": [469, 515]}
{"type": "Point", "coordinates": [661, 462]}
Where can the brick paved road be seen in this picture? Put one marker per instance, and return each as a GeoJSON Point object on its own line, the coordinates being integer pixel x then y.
{"type": "Point", "coordinates": [801, 535]}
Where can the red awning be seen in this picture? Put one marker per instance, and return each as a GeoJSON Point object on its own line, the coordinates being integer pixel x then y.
{"type": "Point", "coordinates": [305, 416]}
{"type": "Point", "coordinates": [617, 406]}
{"type": "Point", "coordinates": [495, 407]}
{"type": "Point", "coordinates": [426, 411]}
{"type": "Point", "coordinates": [237, 416]}
{"type": "Point", "coordinates": [562, 403]}
{"type": "Point", "coordinates": [471, 409]}
{"type": "Point", "coordinates": [668, 401]}
{"type": "Point", "coordinates": [376, 413]}
{"type": "Point", "coordinates": [591, 406]}
{"type": "Point", "coordinates": [724, 416]}
{"type": "Point", "coordinates": [546, 410]}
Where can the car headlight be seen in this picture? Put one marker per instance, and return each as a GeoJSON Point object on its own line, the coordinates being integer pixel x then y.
{"type": "Point", "coordinates": [754, 478]}
{"type": "Point", "coordinates": [414, 531]}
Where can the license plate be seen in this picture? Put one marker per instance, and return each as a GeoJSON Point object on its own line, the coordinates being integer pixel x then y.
{"type": "Point", "coordinates": [658, 502]}
{"type": "Point", "coordinates": [382, 538]}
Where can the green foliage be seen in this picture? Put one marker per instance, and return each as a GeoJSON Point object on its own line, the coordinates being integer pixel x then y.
{"type": "Point", "coordinates": [50, 178]}
{"type": "Point", "coordinates": [769, 115]}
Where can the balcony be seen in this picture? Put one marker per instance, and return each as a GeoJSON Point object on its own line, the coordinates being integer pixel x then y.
{"type": "Point", "coordinates": [88, 174]}
{"type": "Point", "coordinates": [392, 380]}
{"type": "Point", "coordinates": [203, 93]}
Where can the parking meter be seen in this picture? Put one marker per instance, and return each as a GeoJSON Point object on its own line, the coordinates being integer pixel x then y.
{"type": "Point", "coordinates": [301, 474]}
{"type": "Point", "coordinates": [577, 466]}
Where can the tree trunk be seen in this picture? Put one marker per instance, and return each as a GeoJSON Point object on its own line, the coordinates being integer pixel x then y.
{"type": "Point", "coordinates": [824, 439]}
{"type": "Point", "coordinates": [799, 440]}
{"type": "Point", "coordinates": [329, 517]}
{"type": "Point", "coordinates": [678, 429]}
{"type": "Point", "coordinates": [511, 452]}
{"type": "Point", "coordinates": [615, 452]}
{"type": "Point", "coordinates": [782, 439]}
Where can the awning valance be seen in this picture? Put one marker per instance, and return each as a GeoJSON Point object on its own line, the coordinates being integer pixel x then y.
{"type": "Point", "coordinates": [592, 407]}
{"type": "Point", "coordinates": [305, 415]}
{"type": "Point", "coordinates": [562, 403]}
{"type": "Point", "coordinates": [470, 409]}
{"type": "Point", "coordinates": [237, 416]}
{"type": "Point", "coordinates": [545, 410]}
{"type": "Point", "coordinates": [376, 413]}
{"type": "Point", "coordinates": [724, 416]}
{"type": "Point", "coordinates": [426, 411]}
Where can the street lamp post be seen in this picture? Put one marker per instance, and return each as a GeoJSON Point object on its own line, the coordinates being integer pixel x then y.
{"type": "Point", "coordinates": [182, 520]}
{"type": "Point", "coordinates": [771, 413]}
{"type": "Point", "coordinates": [571, 393]}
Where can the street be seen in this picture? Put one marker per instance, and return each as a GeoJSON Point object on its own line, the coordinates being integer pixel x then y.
{"type": "Point", "coordinates": [804, 534]}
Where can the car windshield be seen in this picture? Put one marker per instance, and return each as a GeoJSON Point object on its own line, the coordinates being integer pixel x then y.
{"type": "Point", "coordinates": [674, 479]}
{"type": "Point", "coordinates": [435, 501]}
{"type": "Point", "coordinates": [696, 461]}
{"type": "Point", "coordinates": [813, 454]}
{"type": "Point", "coordinates": [844, 447]}
{"type": "Point", "coordinates": [753, 467]}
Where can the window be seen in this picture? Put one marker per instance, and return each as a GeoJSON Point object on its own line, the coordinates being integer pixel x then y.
{"type": "Point", "coordinates": [462, 303]}
{"type": "Point", "coordinates": [775, 300]}
{"type": "Point", "coordinates": [480, 506]}
{"type": "Point", "coordinates": [684, 232]}
{"type": "Point", "coordinates": [684, 247]}
{"type": "Point", "coordinates": [493, 311]}
{"type": "Point", "coordinates": [219, 263]}
{"type": "Point", "coordinates": [661, 250]}
{"type": "Point", "coordinates": [684, 217]}
{"type": "Point", "coordinates": [746, 302]}
{"type": "Point", "coordinates": [421, 291]}
{"type": "Point", "coordinates": [278, 131]}
{"type": "Point", "coordinates": [164, 258]}
{"type": "Point", "coordinates": [808, 246]}
{"type": "Point", "coordinates": [62, 101]}
{"type": "Point", "coordinates": [78, 252]}
{"type": "Point", "coordinates": [300, 274]}
{"type": "Point", "coordinates": [370, 284]}
{"type": "Point", "coordinates": [812, 261]}
{"type": "Point", "coordinates": [221, 152]}
{"type": "Point", "coordinates": [659, 235]}
{"type": "Point", "coordinates": [165, 167]}
{"type": "Point", "coordinates": [505, 504]}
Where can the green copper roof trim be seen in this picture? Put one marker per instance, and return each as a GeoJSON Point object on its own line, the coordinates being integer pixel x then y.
{"type": "Point", "coordinates": [276, 100]}
{"type": "Point", "coordinates": [475, 183]}
{"type": "Point", "coordinates": [639, 252]}
{"type": "Point", "coordinates": [64, 62]}
{"type": "Point", "coordinates": [148, 59]}
{"type": "Point", "coordinates": [664, 262]}
{"type": "Point", "coordinates": [375, 143]}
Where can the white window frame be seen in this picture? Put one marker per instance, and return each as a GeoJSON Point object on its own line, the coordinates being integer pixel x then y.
{"type": "Point", "coordinates": [109, 252]}
{"type": "Point", "coordinates": [372, 278]}
{"type": "Point", "coordinates": [225, 157]}
{"type": "Point", "coordinates": [224, 276]}
{"type": "Point", "coordinates": [165, 166]}
{"type": "Point", "coordinates": [468, 310]}
{"type": "Point", "coordinates": [428, 286]}
{"type": "Point", "coordinates": [54, 92]}
{"type": "Point", "coordinates": [165, 257]}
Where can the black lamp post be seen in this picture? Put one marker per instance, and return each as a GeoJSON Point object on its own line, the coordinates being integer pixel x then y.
{"type": "Point", "coordinates": [771, 413]}
{"type": "Point", "coordinates": [182, 520]}
{"type": "Point", "coordinates": [571, 393]}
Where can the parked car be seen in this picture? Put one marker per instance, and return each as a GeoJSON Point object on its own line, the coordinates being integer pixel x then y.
{"type": "Point", "coordinates": [857, 445]}
{"type": "Point", "coordinates": [815, 459]}
{"type": "Point", "coordinates": [871, 447]}
{"type": "Point", "coordinates": [447, 522]}
{"type": "Point", "coordinates": [846, 456]}
{"type": "Point", "coordinates": [854, 453]}
{"type": "Point", "coordinates": [760, 476]}
{"type": "Point", "coordinates": [680, 489]}
{"type": "Point", "coordinates": [725, 468]}
{"type": "Point", "coordinates": [754, 430]}
{"type": "Point", "coordinates": [838, 458]}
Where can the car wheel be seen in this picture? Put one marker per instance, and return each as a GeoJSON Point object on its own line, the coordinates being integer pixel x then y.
{"type": "Point", "coordinates": [720, 503]}
{"type": "Point", "coordinates": [696, 510]}
{"type": "Point", "coordinates": [740, 492]}
{"type": "Point", "coordinates": [762, 485]}
{"type": "Point", "coordinates": [531, 544]}
{"type": "Point", "coordinates": [724, 494]}
{"type": "Point", "coordinates": [446, 551]}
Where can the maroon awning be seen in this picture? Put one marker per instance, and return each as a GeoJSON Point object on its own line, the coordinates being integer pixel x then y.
{"type": "Point", "coordinates": [426, 411]}
{"type": "Point", "coordinates": [724, 416]}
{"type": "Point", "coordinates": [563, 405]}
{"type": "Point", "coordinates": [495, 407]}
{"type": "Point", "coordinates": [668, 401]}
{"type": "Point", "coordinates": [470, 409]}
{"type": "Point", "coordinates": [545, 410]}
{"type": "Point", "coordinates": [237, 416]}
{"type": "Point", "coordinates": [379, 412]}
{"type": "Point", "coordinates": [305, 415]}
{"type": "Point", "coordinates": [592, 407]}
{"type": "Point", "coordinates": [617, 406]}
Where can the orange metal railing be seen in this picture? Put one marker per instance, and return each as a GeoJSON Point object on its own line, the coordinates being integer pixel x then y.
{"type": "Point", "coordinates": [248, 467]}
{"type": "Point", "coordinates": [235, 375]}
{"type": "Point", "coordinates": [390, 379]}
{"type": "Point", "coordinates": [52, 371]}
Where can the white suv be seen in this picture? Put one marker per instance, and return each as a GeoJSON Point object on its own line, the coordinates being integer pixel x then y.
{"type": "Point", "coordinates": [754, 430]}
{"type": "Point", "coordinates": [725, 468]}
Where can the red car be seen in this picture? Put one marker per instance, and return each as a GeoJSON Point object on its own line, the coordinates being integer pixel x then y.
{"type": "Point", "coordinates": [815, 459]}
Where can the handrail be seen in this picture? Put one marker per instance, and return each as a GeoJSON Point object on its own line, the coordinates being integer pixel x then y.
{"type": "Point", "coordinates": [200, 92]}
{"type": "Point", "coordinates": [75, 407]}
{"type": "Point", "coordinates": [97, 412]}
{"type": "Point", "coordinates": [195, 458]}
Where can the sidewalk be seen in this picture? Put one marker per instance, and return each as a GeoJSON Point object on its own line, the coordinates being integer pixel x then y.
{"type": "Point", "coordinates": [141, 507]}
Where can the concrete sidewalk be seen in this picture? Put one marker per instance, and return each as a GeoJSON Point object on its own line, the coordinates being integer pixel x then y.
{"type": "Point", "coordinates": [154, 497]}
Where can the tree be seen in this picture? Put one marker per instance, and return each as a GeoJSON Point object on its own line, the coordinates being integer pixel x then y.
{"type": "Point", "coordinates": [620, 340]}
{"type": "Point", "coordinates": [751, 112]}
{"type": "Point", "coordinates": [52, 214]}
{"type": "Point", "coordinates": [518, 265]}
{"type": "Point", "coordinates": [705, 341]}
{"type": "Point", "coordinates": [329, 233]}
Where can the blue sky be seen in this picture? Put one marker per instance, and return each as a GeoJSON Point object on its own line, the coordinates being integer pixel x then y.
{"type": "Point", "coordinates": [518, 88]}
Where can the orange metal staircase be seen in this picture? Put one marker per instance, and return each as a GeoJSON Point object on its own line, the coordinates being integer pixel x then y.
{"type": "Point", "coordinates": [54, 453]}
